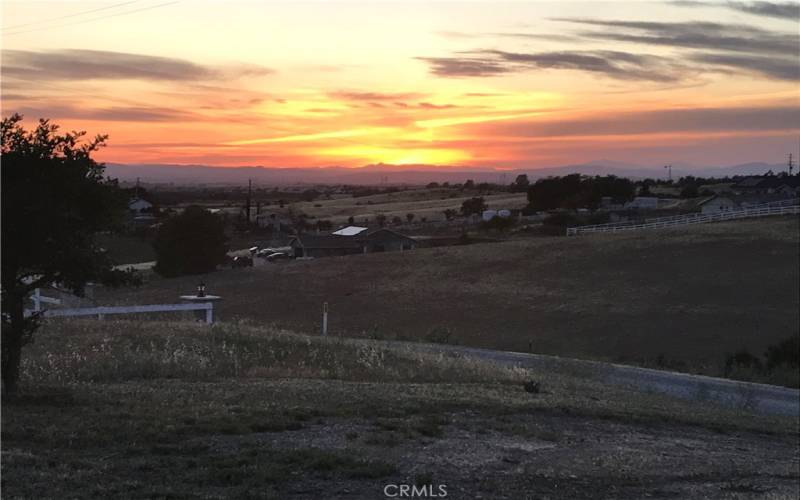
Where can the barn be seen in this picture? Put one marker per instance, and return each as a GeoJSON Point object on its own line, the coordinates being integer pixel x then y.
{"type": "Point", "coordinates": [386, 240]}
{"type": "Point", "coordinates": [325, 245]}
{"type": "Point", "coordinates": [329, 245]}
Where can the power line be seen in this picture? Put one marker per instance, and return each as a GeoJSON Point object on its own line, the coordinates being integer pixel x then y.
{"type": "Point", "coordinates": [41, 21]}
{"type": "Point", "coordinates": [93, 19]}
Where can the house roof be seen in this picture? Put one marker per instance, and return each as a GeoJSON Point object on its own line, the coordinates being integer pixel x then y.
{"type": "Point", "coordinates": [747, 199]}
{"type": "Point", "coordinates": [350, 231]}
{"type": "Point", "coordinates": [769, 181]}
{"type": "Point", "coordinates": [384, 234]}
{"type": "Point", "coordinates": [134, 201]}
{"type": "Point", "coordinates": [339, 241]}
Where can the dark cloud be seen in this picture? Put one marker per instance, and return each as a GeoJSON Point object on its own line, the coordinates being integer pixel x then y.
{"type": "Point", "coordinates": [657, 121]}
{"type": "Point", "coordinates": [466, 66]}
{"type": "Point", "coordinates": [613, 64]}
{"type": "Point", "coordinates": [114, 113]}
{"type": "Point", "coordinates": [78, 64]}
{"type": "Point", "coordinates": [347, 95]}
{"type": "Point", "coordinates": [694, 35]}
{"type": "Point", "coordinates": [781, 10]}
{"type": "Point", "coordinates": [707, 47]}
{"type": "Point", "coordinates": [778, 10]}
{"type": "Point", "coordinates": [774, 68]}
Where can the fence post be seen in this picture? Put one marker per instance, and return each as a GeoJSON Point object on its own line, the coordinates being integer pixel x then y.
{"type": "Point", "coordinates": [37, 303]}
{"type": "Point", "coordinates": [324, 319]}
{"type": "Point", "coordinates": [210, 313]}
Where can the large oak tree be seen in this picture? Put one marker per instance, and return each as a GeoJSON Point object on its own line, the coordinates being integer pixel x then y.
{"type": "Point", "coordinates": [55, 199]}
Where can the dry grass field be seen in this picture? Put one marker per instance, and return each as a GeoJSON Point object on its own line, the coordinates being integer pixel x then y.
{"type": "Point", "coordinates": [689, 296]}
{"type": "Point", "coordinates": [184, 410]}
{"type": "Point", "coordinates": [428, 203]}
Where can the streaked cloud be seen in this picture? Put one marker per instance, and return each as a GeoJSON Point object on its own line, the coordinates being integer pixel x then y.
{"type": "Point", "coordinates": [612, 64]}
{"type": "Point", "coordinates": [655, 121]}
{"type": "Point", "coordinates": [693, 35]}
{"type": "Point", "coordinates": [112, 114]}
{"type": "Point", "coordinates": [352, 95]}
{"type": "Point", "coordinates": [778, 10]}
{"type": "Point", "coordinates": [81, 64]}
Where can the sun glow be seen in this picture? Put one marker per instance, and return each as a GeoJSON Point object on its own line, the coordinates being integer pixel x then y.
{"type": "Point", "coordinates": [398, 156]}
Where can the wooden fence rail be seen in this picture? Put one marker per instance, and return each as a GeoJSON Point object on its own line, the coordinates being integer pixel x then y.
{"type": "Point", "coordinates": [101, 311]}
{"type": "Point", "coordinates": [688, 219]}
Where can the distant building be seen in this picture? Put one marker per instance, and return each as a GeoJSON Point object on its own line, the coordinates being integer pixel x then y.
{"type": "Point", "coordinates": [717, 204]}
{"type": "Point", "coordinates": [139, 206]}
{"type": "Point", "coordinates": [769, 184]}
{"type": "Point", "coordinates": [386, 240]}
{"type": "Point", "coordinates": [643, 203]}
{"type": "Point", "coordinates": [329, 245]}
{"type": "Point", "coordinates": [488, 215]}
{"type": "Point", "coordinates": [325, 245]}
{"type": "Point", "coordinates": [730, 201]}
{"type": "Point", "coordinates": [350, 231]}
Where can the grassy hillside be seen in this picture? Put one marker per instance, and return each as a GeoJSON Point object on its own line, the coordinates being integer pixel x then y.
{"type": "Point", "coordinates": [182, 410]}
{"type": "Point", "coordinates": [687, 296]}
{"type": "Point", "coordinates": [428, 203]}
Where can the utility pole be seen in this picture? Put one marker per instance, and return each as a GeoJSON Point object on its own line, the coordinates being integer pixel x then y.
{"type": "Point", "coordinates": [791, 164]}
{"type": "Point", "coordinates": [249, 194]}
{"type": "Point", "coordinates": [669, 172]}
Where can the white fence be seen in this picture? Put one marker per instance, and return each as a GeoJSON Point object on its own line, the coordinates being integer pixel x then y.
{"type": "Point", "coordinates": [756, 211]}
{"type": "Point", "coordinates": [102, 311]}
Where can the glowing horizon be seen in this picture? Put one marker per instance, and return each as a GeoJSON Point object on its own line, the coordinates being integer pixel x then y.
{"type": "Point", "coordinates": [309, 85]}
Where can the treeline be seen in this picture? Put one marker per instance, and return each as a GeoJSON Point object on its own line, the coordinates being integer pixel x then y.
{"type": "Point", "coordinates": [578, 191]}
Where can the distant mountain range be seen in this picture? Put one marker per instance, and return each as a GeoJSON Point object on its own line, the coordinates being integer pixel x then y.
{"type": "Point", "coordinates": [406, 174]}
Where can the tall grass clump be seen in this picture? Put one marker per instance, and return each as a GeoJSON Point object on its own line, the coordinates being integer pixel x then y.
{"type": "Point", "coordinates": [98, 351]}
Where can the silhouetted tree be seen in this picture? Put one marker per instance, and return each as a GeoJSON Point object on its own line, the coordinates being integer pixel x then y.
{"type": "Point", "coordinates": [55, 198]}
{"type": "Point", "coordinates": [520, 184]}
{"type": "Point", "coordinates": [409, 217]}
{"type": "Point", "coordinates": [193, 242]}
{"type": "Point", "coordinates": [469, 184]}
{"type": "Point", "coordinates": [473, 206]}
{"type": "Point", "coordinates": [380, 219]}
{"type": "Point", "coordinates": [577, 191]}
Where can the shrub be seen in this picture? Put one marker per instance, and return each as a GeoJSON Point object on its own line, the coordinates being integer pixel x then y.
{"type": "Point", "coordinates": [473, 206]}
{"type": "Point", "coordinates": [557, 223]}
{"type": "Point", "coordinates": [742, 360]}
{"type": "Point", "coordinates": [785, 353]}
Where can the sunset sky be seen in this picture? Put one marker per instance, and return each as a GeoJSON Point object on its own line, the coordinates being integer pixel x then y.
{"type": "Point", "coordinates": [512, 85]}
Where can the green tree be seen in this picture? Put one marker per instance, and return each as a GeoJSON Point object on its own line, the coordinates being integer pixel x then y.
{"type": "Point", "coordinates": [55, 199]}
{"type": "Point", "coordinates": [193, 242]}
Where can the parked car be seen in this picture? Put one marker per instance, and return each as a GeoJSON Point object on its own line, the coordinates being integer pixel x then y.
{"type": "Point", "coordinates": [277, 256]}
{"type": "Point", "coordinates": [264, 252]}
{"type": "Point", "coordinates": [242, 261]}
